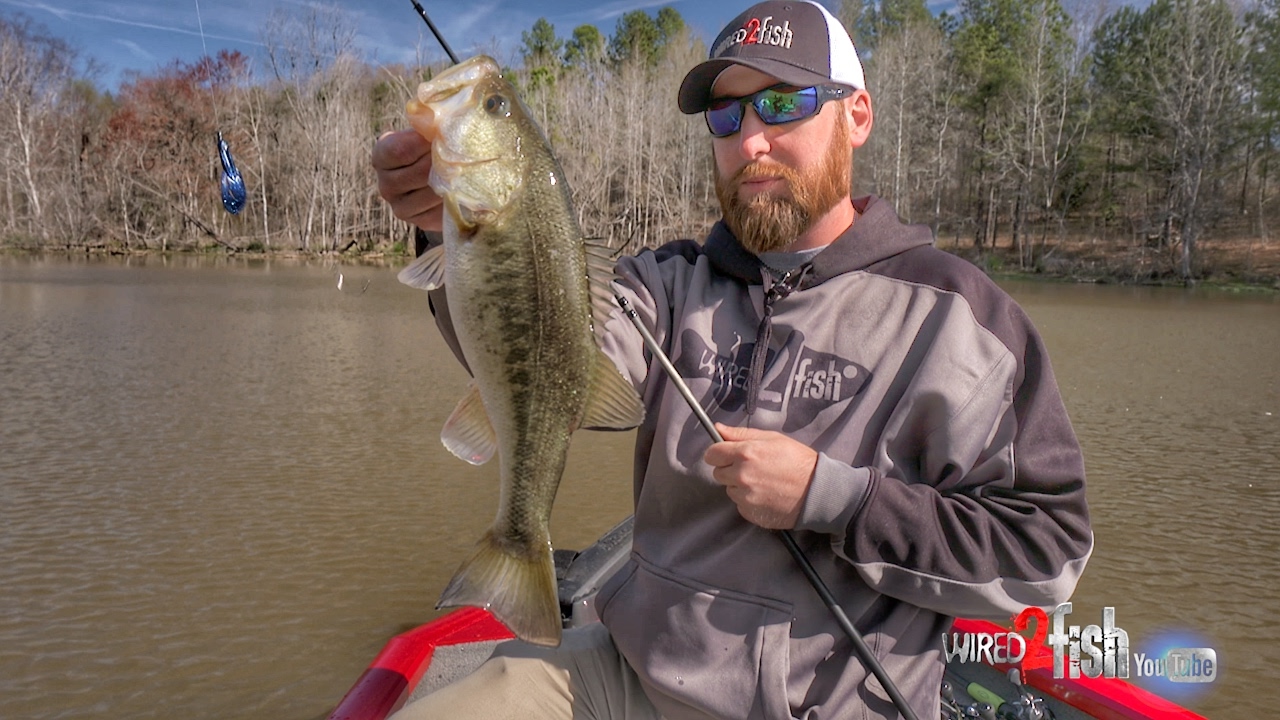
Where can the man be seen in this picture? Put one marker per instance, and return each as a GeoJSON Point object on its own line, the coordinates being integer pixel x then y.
{"type": "Point", "coordinates": [881, 399]}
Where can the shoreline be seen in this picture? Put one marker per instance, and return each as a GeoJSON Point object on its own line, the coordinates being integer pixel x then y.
{"type": "Point", "coordinates": [1256, 272]}
{"type": "Point", "coordinates": [1223, 265]}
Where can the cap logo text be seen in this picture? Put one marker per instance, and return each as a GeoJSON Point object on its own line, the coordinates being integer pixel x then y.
{"type": "Point", "coordinates": [759, 32]}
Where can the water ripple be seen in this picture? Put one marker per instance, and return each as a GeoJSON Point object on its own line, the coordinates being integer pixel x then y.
{"type": "Point", "coordinates": [222, 488]}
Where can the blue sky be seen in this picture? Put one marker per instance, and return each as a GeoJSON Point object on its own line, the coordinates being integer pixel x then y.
{"type": "Point", "coordinates": [144, 35]}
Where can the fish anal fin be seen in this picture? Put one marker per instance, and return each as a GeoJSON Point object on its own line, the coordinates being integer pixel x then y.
{"type": "Point", "coordinates": [612, 402]}
{"type": "Point", "coordinates": [517, 583]}
{"type": "Point", "coordinates": [468, 433]}
{"type": "Point", "coordinates": [426, 272]}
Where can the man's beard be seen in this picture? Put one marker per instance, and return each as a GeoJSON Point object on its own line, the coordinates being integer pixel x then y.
{"type": "Point", "coordinates": [769, 222]}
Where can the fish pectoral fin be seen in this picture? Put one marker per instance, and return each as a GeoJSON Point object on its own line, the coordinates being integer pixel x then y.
{"type": "Point", "coordinates": [612, 403]}
{"type": "Point", "coordinates": [516, 582]}
{"type": "Point", "coordinates": [468, 433]}
{"type": "Point", "coordinates": [426, 272]}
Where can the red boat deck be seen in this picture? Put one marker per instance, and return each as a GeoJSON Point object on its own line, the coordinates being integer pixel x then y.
{"type": "Point", "coordinates": [394, 674]}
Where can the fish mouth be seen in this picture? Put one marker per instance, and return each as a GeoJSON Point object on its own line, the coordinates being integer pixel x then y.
{"type": "Point", "coordinates": [447, 95]}
{"type": "Point", "coordinates": [430, 95]}
{"type": "Point", "coordinates": [468, 163]}
{"type": "Point", "coordinates": [452, 81]}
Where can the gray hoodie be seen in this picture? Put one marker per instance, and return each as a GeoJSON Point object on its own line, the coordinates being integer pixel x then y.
{"type": "Point", "coordinates": [949, 480]}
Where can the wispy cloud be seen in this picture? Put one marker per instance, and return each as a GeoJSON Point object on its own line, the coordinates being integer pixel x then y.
{"type": "Point", "coordinates": [617, 9]}
{"type": "Point", "coordinates": [65, 15]}
{"type": "Point", "coordinates": [466, 23]}
{"type": "Point", "coordinates": [136, 50]}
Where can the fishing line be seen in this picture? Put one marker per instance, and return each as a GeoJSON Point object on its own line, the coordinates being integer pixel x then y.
{"type": "Point", "coordinates": [231, 184]}
{"type": "Point", "coordinates": [869, 660]}
{"type": "Point", "coordinates": [200, 22]}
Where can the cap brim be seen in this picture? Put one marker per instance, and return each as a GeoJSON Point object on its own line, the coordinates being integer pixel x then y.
{"type": "Point", "coordinates": [695, 91]}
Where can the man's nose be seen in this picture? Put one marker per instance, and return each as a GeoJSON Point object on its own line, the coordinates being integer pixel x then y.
{"type": "Point", "coordinates": [753, 140]}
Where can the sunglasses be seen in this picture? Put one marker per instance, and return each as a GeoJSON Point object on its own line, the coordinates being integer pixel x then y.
{"type": "Point", "coordinates": [775, 105]}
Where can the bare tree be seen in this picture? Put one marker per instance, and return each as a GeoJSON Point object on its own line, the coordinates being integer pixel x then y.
{"type": "Point", "coordinates": [909, 80]}
{"type": "Point", "coordinates": [36, 73]}
{"type": "Point", "coordinates": [1195, 77]}
{"type": "Point", "coordinates": [312, 57]}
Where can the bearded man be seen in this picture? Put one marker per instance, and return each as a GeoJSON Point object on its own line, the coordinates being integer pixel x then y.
{"type": "Point", "coordinates": [880, 399]}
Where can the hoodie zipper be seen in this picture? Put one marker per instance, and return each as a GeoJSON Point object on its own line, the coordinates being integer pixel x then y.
{"type": "Point", "coordinates": [779, 290]}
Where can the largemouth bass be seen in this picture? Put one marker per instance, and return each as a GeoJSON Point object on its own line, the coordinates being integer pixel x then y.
{"type": "Point", "coordinates": [528, 298]}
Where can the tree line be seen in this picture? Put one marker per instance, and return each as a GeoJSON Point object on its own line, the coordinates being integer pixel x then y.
{"type": "Point", "coordinates": [1013, 121]}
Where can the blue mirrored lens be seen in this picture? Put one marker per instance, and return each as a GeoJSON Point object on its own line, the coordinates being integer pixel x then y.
{"type": "Point", "coordinates": [774, 105]}
{"type": "Point", "coordinates": [724, 117]}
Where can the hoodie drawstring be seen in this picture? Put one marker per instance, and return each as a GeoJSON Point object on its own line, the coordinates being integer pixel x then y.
{"type": "Point", "coordinates": [780, 289]}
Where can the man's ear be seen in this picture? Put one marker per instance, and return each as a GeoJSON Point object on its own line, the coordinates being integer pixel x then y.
{"type": "Point", "coordinates": [858, 107]}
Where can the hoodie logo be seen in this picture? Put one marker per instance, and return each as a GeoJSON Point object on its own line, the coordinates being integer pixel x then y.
{"type": "Point", "coordinates": [798, 381]}
{"type": "Point", "coordinates": [759, 32]}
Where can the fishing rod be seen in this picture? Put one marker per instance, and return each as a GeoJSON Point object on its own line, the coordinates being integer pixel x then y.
{"type": "Point", "coordinates": [440, 38]}
{"type": "Point", "coordinates": [860, 647]}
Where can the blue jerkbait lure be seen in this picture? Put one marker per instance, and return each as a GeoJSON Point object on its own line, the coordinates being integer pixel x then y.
{"type": "Point", "coordinates": [233, 192]}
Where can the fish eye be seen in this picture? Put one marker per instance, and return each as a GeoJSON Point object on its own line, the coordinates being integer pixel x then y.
{"type": "Point", "coordinates": [496, 105]}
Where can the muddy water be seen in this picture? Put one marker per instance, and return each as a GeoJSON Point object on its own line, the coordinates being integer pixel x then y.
{"type": "Point", "coordinates": [221, 485]}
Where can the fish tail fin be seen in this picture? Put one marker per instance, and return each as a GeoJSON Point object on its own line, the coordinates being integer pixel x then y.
{"type": "Point", "coordinates": [517, 583]}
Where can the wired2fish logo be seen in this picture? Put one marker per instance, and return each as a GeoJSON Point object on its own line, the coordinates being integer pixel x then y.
{"type": "Point", "coordinates": [1094, 651]}
{"type": "Point", "coordinates": [759, 31]}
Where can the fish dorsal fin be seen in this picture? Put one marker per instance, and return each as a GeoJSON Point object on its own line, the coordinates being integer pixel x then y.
{"type": "Point", "coordinates": [612, 402]}
{"type": "Point", "coordinates": [468, 433]}
{"type": "Point", "coordinates": [600, 262]}
{"type": "Point", "coordinates": [427, 271]}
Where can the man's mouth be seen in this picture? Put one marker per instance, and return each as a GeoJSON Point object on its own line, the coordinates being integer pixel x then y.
{"type": "Point", "coordinates": [761, 183]}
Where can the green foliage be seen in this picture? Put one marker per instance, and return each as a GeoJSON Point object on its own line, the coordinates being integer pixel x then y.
{"type": "Point", "coordinates": [586, 46]}
{"type": "Point", "coordinates": [1170, 80]}
{"type": "Point", "coordinates": [1119, 59]}
{"type": "Point", "coordinates": [869, 24]}
{"type": "Point", "coordinates": [858, 18]}
{"type": "Point", "coordinates": [997, 38]}
{"type": "Point", "coordinates": [636, 36]}
{"type": "Point", "coordinates": [540, 78]}
{"type": "Point", "coordinates": [896, 15]}
{"type": "Point", "coordinates": [641, 37]}
{"type": "Point", "coordinates": [1264, 59]}
{"type": "Point", "coordinates": [669, 23]}
{"type": "Point", "coordinates": [1160, 70]}
{"type": "Point", "coordinates": [540, 47]}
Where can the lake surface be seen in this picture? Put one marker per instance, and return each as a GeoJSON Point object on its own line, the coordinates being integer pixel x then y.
{"type": "Point", "coordinates": [222, 487]}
